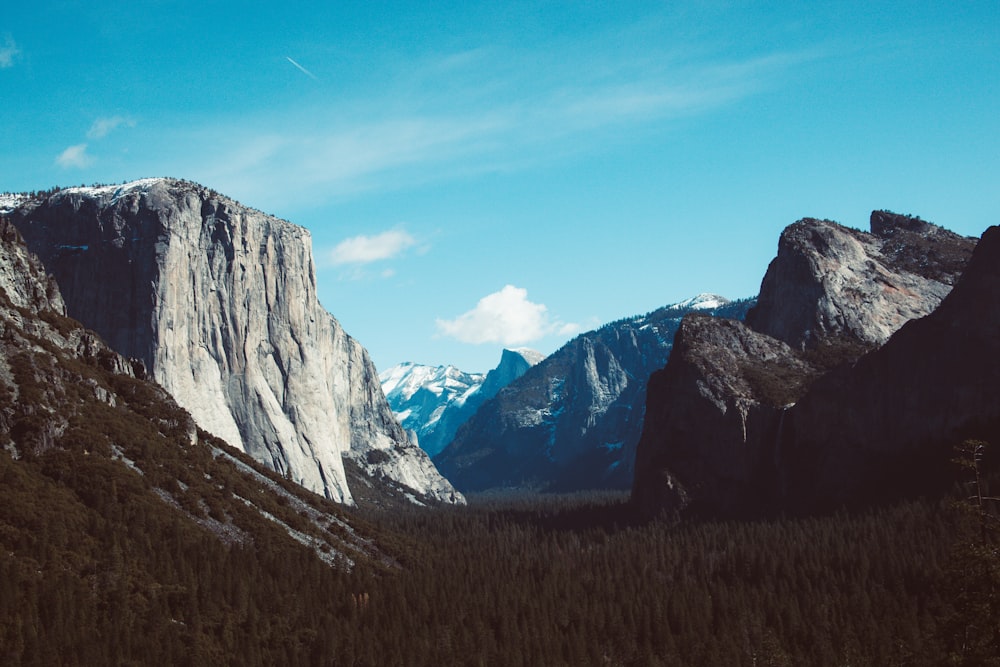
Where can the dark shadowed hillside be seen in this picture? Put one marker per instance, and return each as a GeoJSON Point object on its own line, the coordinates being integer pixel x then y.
{"type": "Point", "coordinates": [859, 367]}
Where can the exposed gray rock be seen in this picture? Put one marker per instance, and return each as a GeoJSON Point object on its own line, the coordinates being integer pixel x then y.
{"type": "Point", "coordinates": [219, 302]}
{"type": "Point", "coordinates": [23, 278]}
{"type": "Point", "coordinates": [572, 422]}
{"type": "Point", "coordinates": [829, 281]}
{"type": "Point", "coordinates": [721, 426]}
{"type": "Point", "coordinates": [888, 423]}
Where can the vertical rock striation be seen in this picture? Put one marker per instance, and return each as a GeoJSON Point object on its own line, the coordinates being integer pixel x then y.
{"type": "Point", "coordinates": [219, 302]}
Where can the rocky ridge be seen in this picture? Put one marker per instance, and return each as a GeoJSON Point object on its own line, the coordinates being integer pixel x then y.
{"type": "Point", "coordinates": [572, 421]}
{"type": "Point", "coordinates": [432, 402]}
{"type": "Point", "coordinates": [219, 303]}
{"type": "Point", "coordinates": [722, 414]}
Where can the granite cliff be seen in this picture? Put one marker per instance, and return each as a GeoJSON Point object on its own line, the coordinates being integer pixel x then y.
{"type": "Point", "coordinates": [723, 415]}
{"type": "Point", "coordinates": [218, 302]}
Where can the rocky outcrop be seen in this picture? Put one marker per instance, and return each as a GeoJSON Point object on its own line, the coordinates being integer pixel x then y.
{"type": "Point", "coordinates": [49, 365]}
{"type": "Point", "coordinates": [713, 415]}
{"type": "Point", "coordinates": [887, 425]}
{"type": "Point", "coordinates": [432, 402]}
{"type": "Point", "coordinates": [721, 420]}
{"type": "Point", "coordinates": [831, 282]}
{"type": "Point", "coordinates": [572, 422]}
{"type": "Point", "coordinates": [219, 302]}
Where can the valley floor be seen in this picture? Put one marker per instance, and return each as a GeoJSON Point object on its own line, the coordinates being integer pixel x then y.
{"type": "Point", "coordinates": [539, 581]}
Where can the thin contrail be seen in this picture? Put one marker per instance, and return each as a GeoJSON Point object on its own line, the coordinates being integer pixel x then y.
{"type": "Point", "coordinates": [302, 69]}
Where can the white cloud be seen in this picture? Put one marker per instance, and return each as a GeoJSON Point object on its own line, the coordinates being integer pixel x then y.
{"type": "Point", "coordinates": [368, 249]}
{"type": "Point", "coordinates": [74, 156]}
{"type": "Point", "coordinates": [506, 317]}
{"type": "Point", "coordinates": [466, 114]}
{"type": "Point", "coordinates": [102, 127]}
{"type": "Point", "coordinates": [8, 52]}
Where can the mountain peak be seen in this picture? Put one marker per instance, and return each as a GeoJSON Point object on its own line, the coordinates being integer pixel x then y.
{"type": "Point", "coordinates": [703, 301]}
{"type": "Point", "coordinates": [434, 401]}
{"type": "Point", "coordinates": [219, 302]}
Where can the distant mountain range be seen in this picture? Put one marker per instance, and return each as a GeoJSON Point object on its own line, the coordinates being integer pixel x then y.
{"type": "Point", "coordinates": [432, 402]}
{"type": "Point", "coordinates": [572, 421]}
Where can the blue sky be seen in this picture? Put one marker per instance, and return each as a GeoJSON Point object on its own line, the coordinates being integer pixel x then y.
{"type": "Point", "coordinates": [479, 175]}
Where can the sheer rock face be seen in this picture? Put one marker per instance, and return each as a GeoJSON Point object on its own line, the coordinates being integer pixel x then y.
{"type": "Point", "coordinates": [888, 423]}
{"type": "Point", "coordinates": [721, 428]}
{"type": "Point", "coordinates": [23, 278]}
{"type": "Point", "coordinates": [829, 281]}
{"type": "Point", "coordinates": [720, 403]}
{"type": "Point", "coordinates": [219, 302]}
{"type": "Point", "coordinates": [38, 396]}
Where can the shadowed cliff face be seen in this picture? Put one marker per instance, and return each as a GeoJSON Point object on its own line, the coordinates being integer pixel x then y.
{"type": "Point", "coordinates": [719, 405]}
{"type": "Point", "coordinates": [219, 301]}
{"type": "Point", "coordinates": [723, 427]}
{"type": "Point", "coordinates": [887, 425]}
{"type": "Point", "coordinates": [572, 422]}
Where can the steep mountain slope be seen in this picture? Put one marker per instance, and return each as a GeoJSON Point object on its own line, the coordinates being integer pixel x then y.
{"type": "Point", "coordinates": [572, 421]}
{"type": "Point", "coordinates": [888, 424]}
{"type": "Point", "coordinates": [829, 281]}
{"type": "Point", "coordinates": [719, 420]}
{"type": "Point", "coordinates": [434, 401]}
{"type": "Point", "coordinates": [218, 301]}
{"type": "Point", "coordinates": [127, 534]}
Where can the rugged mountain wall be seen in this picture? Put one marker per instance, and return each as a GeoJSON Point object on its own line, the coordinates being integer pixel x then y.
{"type": "Point", "coordinates": [887, 425]}
{"type": "Point", "coordinates": [572, 421]}
{"type": "Point", "coordinates": [829, 281]}
{"type": "Point", "coordinates": [432, 402]}
{"type": "Point", "coordinates": [219, 302]}
{"type": "Point", "coordinates": [720, 414]}
{"type": "Point", "coordinates": [49, 365]}
{"type": "Point", "coordinates": [86, 441]}
{"type": "Point", "coordinates": [712, 417]}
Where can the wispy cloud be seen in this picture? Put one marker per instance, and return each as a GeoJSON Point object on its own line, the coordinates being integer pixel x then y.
{"type": "Point", "coordinates": [74, 157]}
{"type": "Point", "coordinates": [483, 111]}
{"type": "Point", "coordinates": [8, 53]}
{"type": "Point", "coordinates": [367, 249]}
{"type": "Point", "coordinates": [302, 69]}
{"type": "Point", "coordinates": [506, 317]}
{"type": "Point", "coordinates": [104, 126]}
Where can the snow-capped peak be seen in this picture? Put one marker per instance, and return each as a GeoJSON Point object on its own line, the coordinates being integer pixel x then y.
{"type": "Point", "coordinates": [404, 380]}
{"type": "Point", "coordinates": [433, 401]}
{"type": "Point", "coordinates": [703, 301]}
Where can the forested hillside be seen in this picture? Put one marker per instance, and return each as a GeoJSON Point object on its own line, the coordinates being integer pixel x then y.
{"type": "Point", "coordinates": [515, 584]}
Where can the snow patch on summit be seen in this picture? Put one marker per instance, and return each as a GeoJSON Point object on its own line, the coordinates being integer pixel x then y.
{"type": "Point", "coordinates": [11, 200]}
{"type": "Point", "coordinates": [434, 401]}
{"type": "Point", "coordinates": [703, 301]}
{"type": "Point", "coordinates": [114, 192]}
